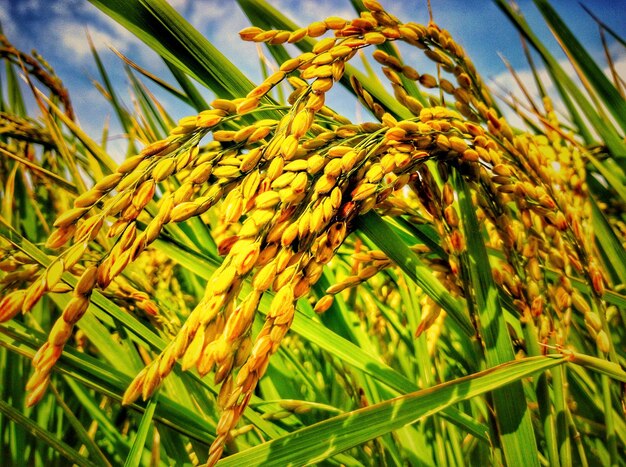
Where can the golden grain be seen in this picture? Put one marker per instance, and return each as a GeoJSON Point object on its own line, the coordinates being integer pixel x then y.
{"type": "Point", "coordinates": [11, 305]}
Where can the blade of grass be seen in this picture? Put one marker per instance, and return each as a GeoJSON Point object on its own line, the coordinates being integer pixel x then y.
{"type": "Point", "coordinates": [107, 428]}
{"type": "Point", "coordinates": [93, 449]}
{"type": "Point", "coordinates": [105, 307]}
{"type": "Point", "coordinates": [512, 415]}
{"type": "Point", "coordinates": [154, 78]}
{"type": "Point", "coordinates": [101, 156]}
{"type": "Point", "coordinates": [16, 102]}
{"type": "Point", "coordinates": [609, 243]}
{"type": "Point", "coordinates": [44, 435]}
{"type": "Point", "coordinates": [388, 241]}
{"type": "Point", "coordinates": [100, 376]}
{"type": "Point", "coordinates": [195, 98]}
{"type": "Point", "coordinates": [40, 171]}
{"type": "Point", "coordinates": [120, 111]}
{"type": "Point", "coordinates": [567, 87]}
{"type": "Point", "coordinates": [322, 440]}
{"type": "Point", "coordinates": [164, 30]}
{"type": "Point", "coordinates": [579, 56]}
{"type": "Point", "coordinates": [136, 450]}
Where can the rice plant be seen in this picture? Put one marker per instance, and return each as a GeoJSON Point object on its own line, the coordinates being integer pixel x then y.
{"type": "Point", "coordinates": [267, 282]}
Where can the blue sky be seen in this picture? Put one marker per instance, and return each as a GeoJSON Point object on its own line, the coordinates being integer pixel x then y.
{"type": "Point", "coordinates": [57, 30]}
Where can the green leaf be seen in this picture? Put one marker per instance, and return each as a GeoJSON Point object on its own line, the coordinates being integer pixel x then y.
{"type": "Point", "coordinates": [609, 96]}
{"type": "Point", "coordinates": [322, 440]}
{"type": "Point", "coordinates": [136, 451]}
{"type": "Point", "coordinates": [44, 435]}
{"type": "Point", "coordinates": [609, 243]}
{"type": "Point", "coordinates": [567, 87]}
{"type": "Point", "coordinates": [388, 241]}
{"type": "Point", "coordinates": [512, 415]}
{"type": "Point", "coordinates": [163, 29]}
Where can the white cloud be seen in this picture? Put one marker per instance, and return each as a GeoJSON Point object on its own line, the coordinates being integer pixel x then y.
{"type": "Point", "coordinates": [181, 5]}
{"type": "Point", "coordinates": [73, 37]}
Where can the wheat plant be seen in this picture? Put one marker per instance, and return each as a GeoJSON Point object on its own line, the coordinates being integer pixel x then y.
{"type": "Point", "coordinates": [267, 282]}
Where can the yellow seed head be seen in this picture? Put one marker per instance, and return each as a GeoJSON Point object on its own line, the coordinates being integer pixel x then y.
{"type": "Point", "coordinates": [264, 277]}
{"type": "Point", "coordinates": [129, 164]}
{"type": "Point", "coordinates": [246, 260]}
{"type": "Point", "coordinates": [33, 294]}
{"type": "Point", "coordinates": [151, 381]}
{"type": "Point", "coordinates": [249, 103]}
{"type": "Point", "coordinates": [321, 85]}
{"type": "Point", "coordinates": [364, 190]}
{"type": "Point", "coordinates": [226, 171]}
{"type": "Point", "coordinates": [297, 35]}
{"type": "Point", "coordinates": [324, 184]}
{"type": "Point", "coordinates": [333, 168]}
{"type": "Point", "coordinates": [258, 134]}
{"type": "Point", "coordinates": [316, 29]}
{"type": "Point", "coordinates": [155, 148]}
{"type": "Point", "coordinates": [69, 217]}
{"type": "Point", "coordinates": [324, 45]}
{"type": "Point", "coordinates": [223, 279]}
{"type": "Point", "coordinates": [291, 64]}
{"type": "Point", "coordinates": [267, 200]}
{"type": "Point", "coordinates": [282, 302]}
{"type": "Point", "coordinates": [374, 38]}
{"type": "Point", "coordinates": [428, 81]}
{"type": "Point", "coordinates": [87, 281]}
{"type": "Point", "coordinates": [580, 303]}
{"type": "Point", "coordinates": [315, 164]}
{"type": "Point", "coordinates": [592, 319]}
{"type": "Point", "coordinates": [75, 309]}
{"type": "Point", "coordinates": [208, 121]}
{"type": "Point", "coordinates": [88, 198]}
{"type": "Point", "coordinates": [54, 272]}
{"type": "Point", "coordinates": [36, 393]}
{"type": "Point", "coordinates": [183, 211]}
{"type": "Point", "coordinates": [60, 333]}
{"type": "Point", "coordinates": [289, 234]}
{"type": "Point", "coordinates": [194, 351]}
{"type": "Point", "coordinates": [602, 341]}
{"type": "Point", "coordinates": [300, 183]}
{"type": "Point", "coordinates": [251, 159]}
{"type": "Point", "coordinates": [60, 236]}
{"type": "Point", "coordinates": [340, 51]}
{"type": "Point", "coordinates": [324, 304]}
{"type": "Point", "coordinates": [11, 305]}
{"type": "Point", "coordinates": [163, 169]}
{"type": "Point", "coordinates": [301, 124]}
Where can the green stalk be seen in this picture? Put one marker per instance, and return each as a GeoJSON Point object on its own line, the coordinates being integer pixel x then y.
{"type": "Point", "coordinates": [588, 68]}
{"type": "Point", "coordinates": [546, 413]}
{"type": "Point", "coordinates": [388, 241]}
{"type": "Point", "coordinates": [561, 410]}
{"type": "Point", "coordinates": [512, 416]}
{"type": "Point", "coordinates": [611, 437]}
{"type": "Point", "coordinates": [136, 450]}
{"type": "Point", "coordinates": [567, 86]}
{"type": "Point", "coordinates": [44, 436]}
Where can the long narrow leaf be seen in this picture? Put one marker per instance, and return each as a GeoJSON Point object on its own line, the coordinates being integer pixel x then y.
{"type": "Point", "coordinates": [318, 442]}
{"type": "Point", "coordinates": [163, 29]}
{"type": "Point", "coordinates": [385, 239]}
{"type": "Point", "coordinates": [574, 49]}
{"type": "Point", "coordinates": [513, 418]}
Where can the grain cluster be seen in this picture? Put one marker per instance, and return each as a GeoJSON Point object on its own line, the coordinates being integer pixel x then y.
{"type": "Point", "coordinates": [282, 186]}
